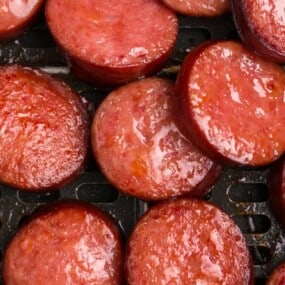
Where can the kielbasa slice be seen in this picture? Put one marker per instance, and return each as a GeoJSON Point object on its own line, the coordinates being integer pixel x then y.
{"type": "Point", "coordinates": [140, 149]}
{"type": "Point", "coordinates": [65, 243]}
{"type": "Point", "coordinates": [205, 8]}
{"type": "Point", "coordinates": [277, 276]}
{"type": "Point", "coordinates": [276, 182]}
{"type": "Point", "coordinates": [187, 241]}
{"type": "Point", "coordinates": [112, 42]}
{"type": "Point", "coordinates": [233, 103]}
{"type": "Point", "coordinates": [44, 130]}
{"type": "Point", "coordinates": [261, 26]}
{"type": "Point", "coordinates": [16, 16]}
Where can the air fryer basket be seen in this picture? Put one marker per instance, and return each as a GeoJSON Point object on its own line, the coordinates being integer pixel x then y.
{"type": "Point", "coordinates": [241, 192]}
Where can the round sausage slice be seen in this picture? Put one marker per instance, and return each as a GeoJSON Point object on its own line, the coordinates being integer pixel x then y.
{"type": "Point", "coordinates": [112, 42]}
{"type": "Point", "coordinates": [16, 16]}
{"type": "Point", "coordinates": [140, 149]}
{"type": "Point", "coordinates": [187, 241]}
{"type": "Point", "coordinates": [205, 8]}
{"type": "Point", "coordinates": [233, 103]}
{"type": "Point", "coordinates": [44, 130]}
{"type": "Point", "coordinates": [65, 243]}
{"type": "Point", "coordinates": [277, 276]}
{"type": "Point", "coordinates": [276, 181]}
{"type": "Point", "coordinates": [261, 25]}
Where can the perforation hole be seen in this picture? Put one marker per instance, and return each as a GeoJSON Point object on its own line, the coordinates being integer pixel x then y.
{"type": "Point", "coordinates": [38, 38]}
{"type": "Point", "coordinates": [260, 254]}
{"type": "Point", "coordinates": [248, 192]}
{"type": "Point", "coordinates": [94, 96]}
{"type": "Point", "coordinates": [208, 195]}
{"type": "Point", "coordinates": [31, 198]}
{"type": "Point", "coordinates": [252, 224]}
{"type": "Point", "coordinates": [188, 39]}
{"type": "Point", "coordinates": [97, 193]}
{"type": "Point", "coordinates": [233, 35]}
{"type": "Point", "coordinates": [92, 165]}
{"type": "Point", "coordinates": [260, 281]}
{"type": "Point", "coordinates": [23, 220]}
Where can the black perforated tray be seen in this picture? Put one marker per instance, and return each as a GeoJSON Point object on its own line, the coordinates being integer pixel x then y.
{"type": "Point", "coordinates": [241, 192]}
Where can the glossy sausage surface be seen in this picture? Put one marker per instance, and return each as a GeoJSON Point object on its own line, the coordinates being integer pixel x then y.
{"type": "Point", "coordinates": [141, 150]}
{"type": "Point", "coordinates": [44, 130]}
{"type": "Point", "coordinates": [16, 16]}
{"type": "Point", "coordinates": [187, 241]}
{"type": "Point", "coordinates": [204, 8]}
{"type": "Point", "coordinates": [232, 103]}
{"type": "Point", "coordinates": [65, 243]}
{"type": "Point", "coordinates": [261, 26]}
{"type": "Point", "coordinates": [113, 42]}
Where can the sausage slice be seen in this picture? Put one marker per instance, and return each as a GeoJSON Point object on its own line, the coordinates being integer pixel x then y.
{"type": "Point", "coordinates": [277, 276]}
{"type": "Point", "coordinates": [141, 150]}
{"type": "Point", "coordinates": [65, 243]}
{"type": "Point", "coordinates": [204, 8]}
{"type": "Point", "coordinates": [44, 130]}
{"type": "Point", "coordinates": [112, 42]}
{"type": "Point", "coordinates": [233, 103]}
{"type": "Point", "coordinates": [187, 241]}
{"type": "Point", "coordinates": [261, 26]}
{"type": "Point", "coordinates": [16, 16]}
